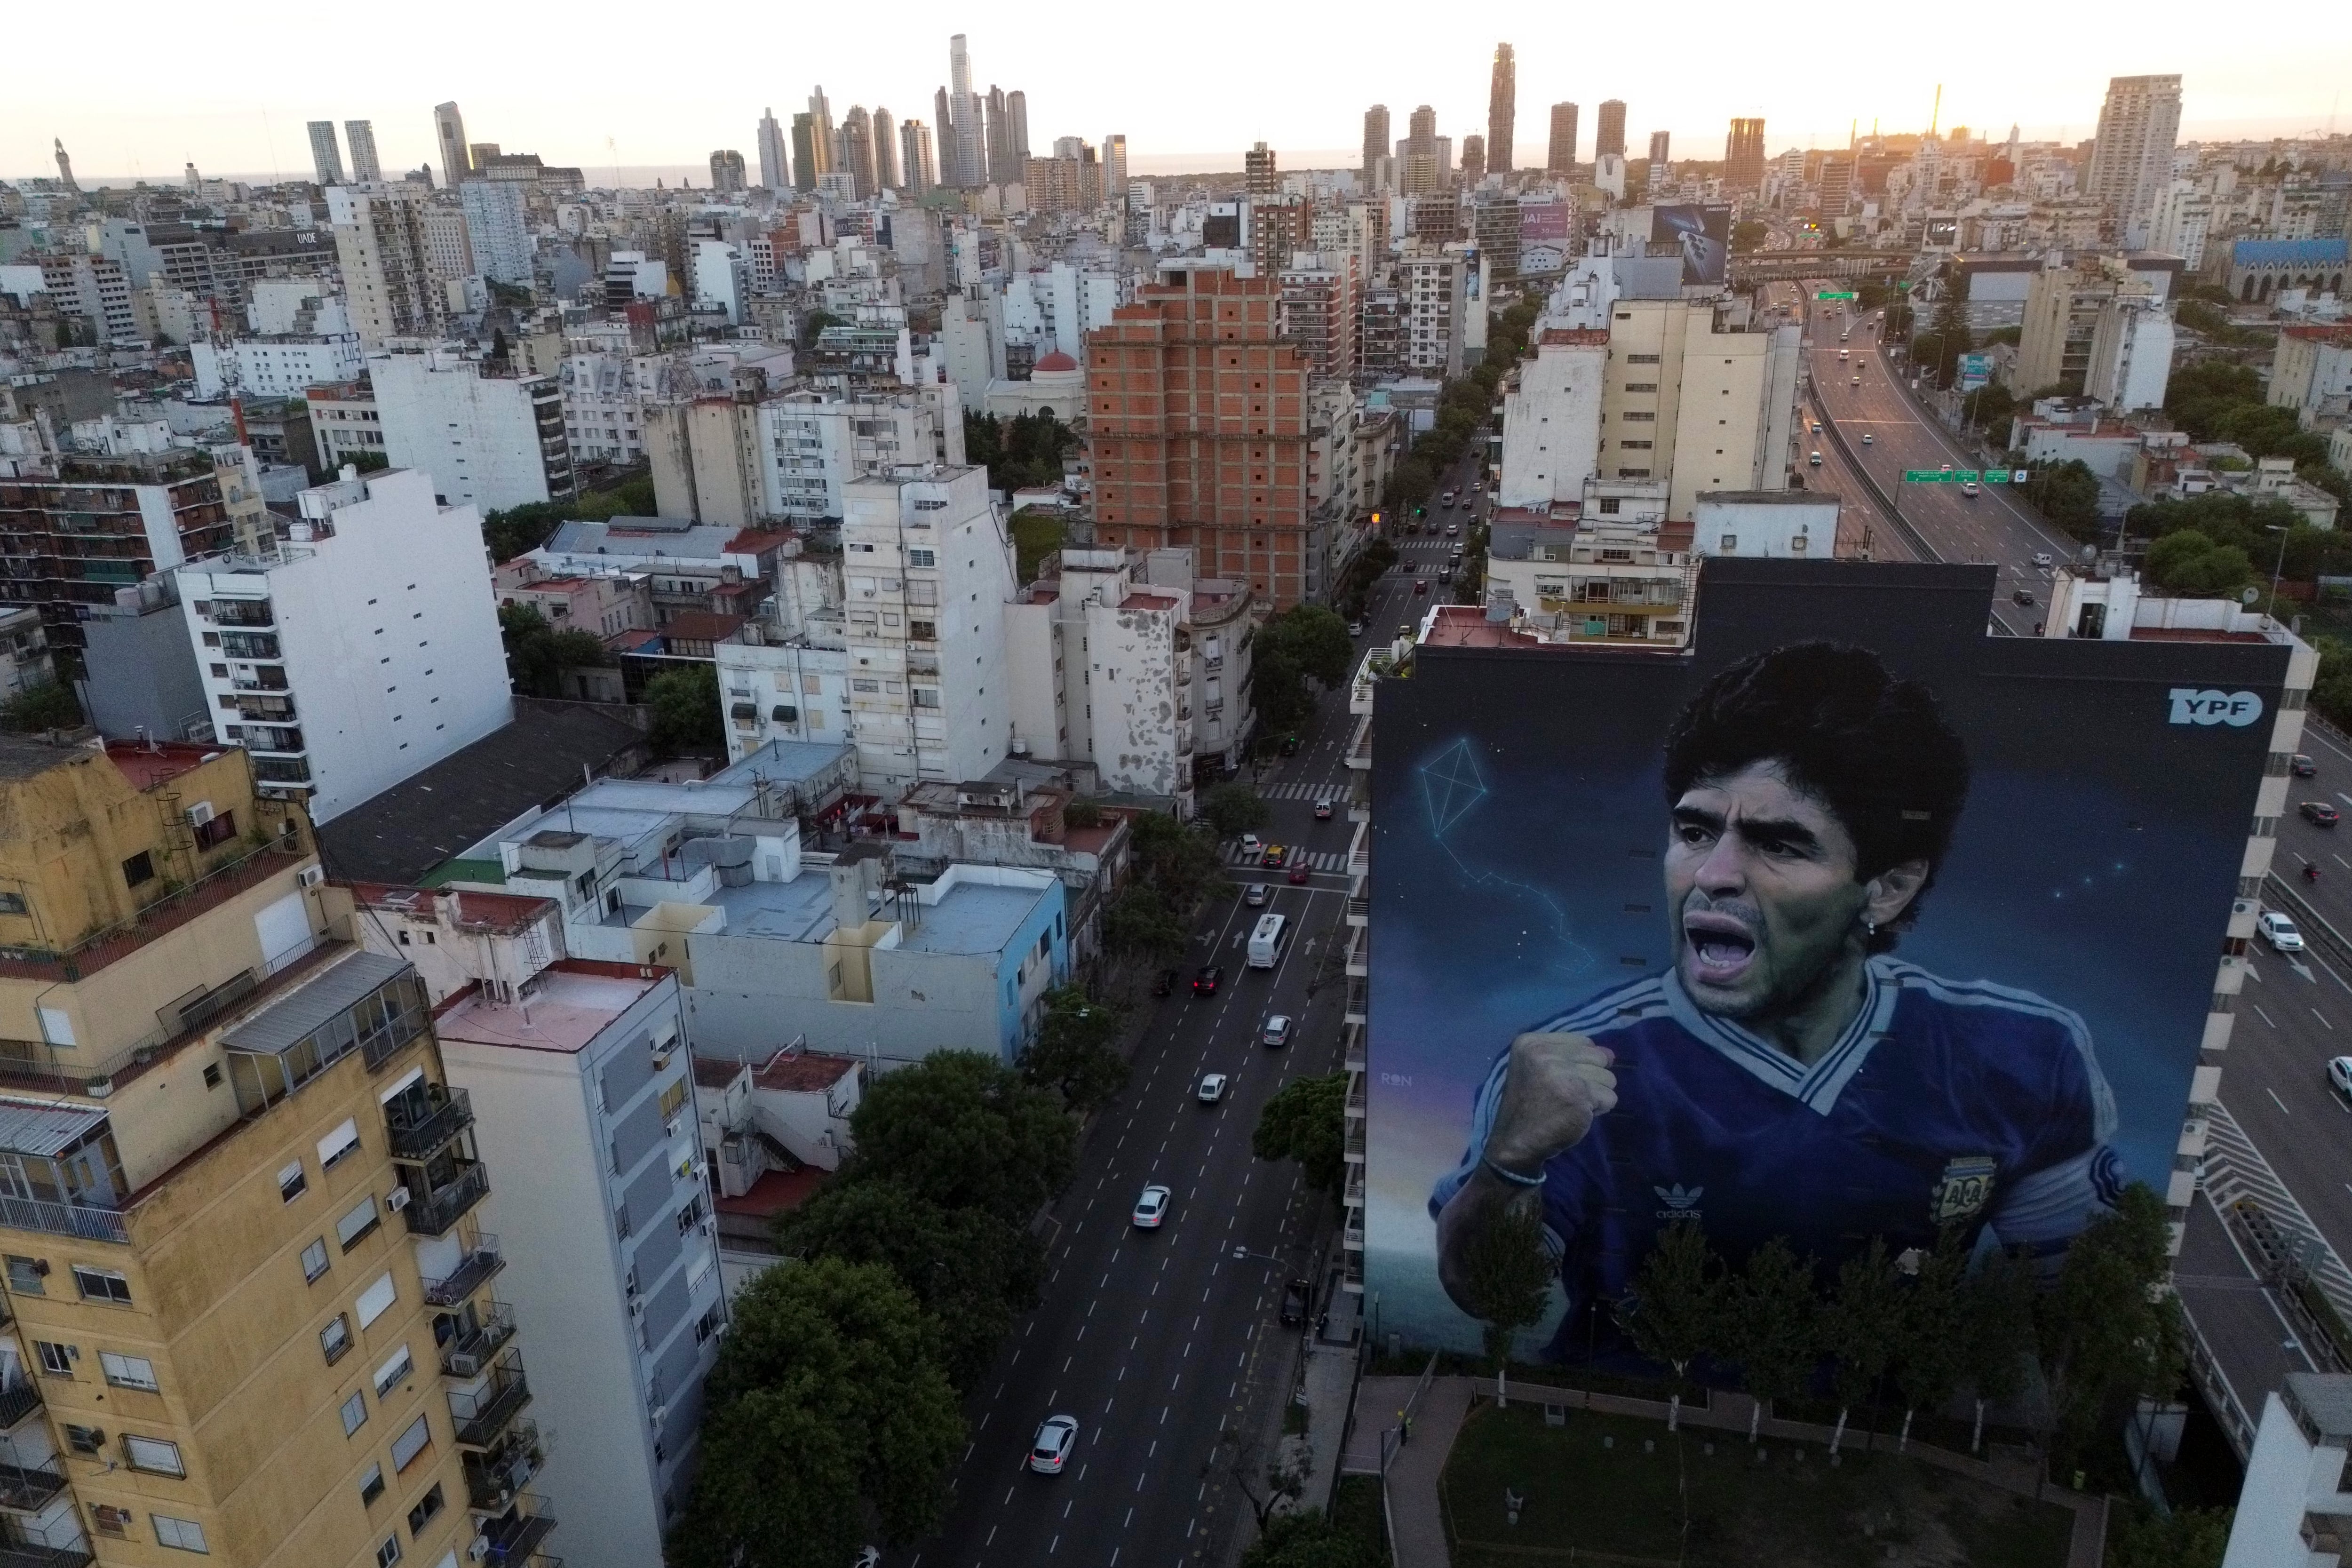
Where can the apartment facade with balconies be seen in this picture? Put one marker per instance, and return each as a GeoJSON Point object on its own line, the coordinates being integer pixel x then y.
{"type": "Point", "coordinates": [243, 1321]}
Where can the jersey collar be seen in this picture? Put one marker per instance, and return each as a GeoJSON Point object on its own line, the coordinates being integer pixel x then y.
{"type": "Point", "coordinates": [1817, 1086]}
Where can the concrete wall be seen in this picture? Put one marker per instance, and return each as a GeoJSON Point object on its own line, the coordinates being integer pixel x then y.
{"type": "Point", "coordinates": [1551, 426]}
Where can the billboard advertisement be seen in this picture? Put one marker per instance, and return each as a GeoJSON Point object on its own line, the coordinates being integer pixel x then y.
{"type": "Point", "coordinates": [1846, 921]}
{"type": "Point", "coordinates": [1703, 233]}
{"type": "Point", "coordinates": [1975, 371]}
{"type": "Point", "coordinates": [1543, 222]}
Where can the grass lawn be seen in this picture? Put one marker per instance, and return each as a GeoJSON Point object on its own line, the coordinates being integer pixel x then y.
{"type": "Point", "coordinates": [1620, 1502]}
{"type": "Point", "coordinates": [1356, 1509]}
{"type": "Point", "coordinates": [1036, 535]}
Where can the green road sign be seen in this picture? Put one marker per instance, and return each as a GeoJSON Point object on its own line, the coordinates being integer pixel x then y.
{"type": "Point", "coordinates": [1836, 294]}
{"type": "Point", "coordinates": [1925, 476]}
{"type": "Point", "coordinates": [1950, 476]}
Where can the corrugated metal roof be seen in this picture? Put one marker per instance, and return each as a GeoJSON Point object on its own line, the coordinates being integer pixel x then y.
{"type": "Point", "coordinates": [45, 1126]}
{"type": "Point", "coordinates": [277, 1027]}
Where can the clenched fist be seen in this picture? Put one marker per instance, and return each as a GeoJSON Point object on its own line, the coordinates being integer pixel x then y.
{"type": "Point", "coordinates": [1553, 1088]}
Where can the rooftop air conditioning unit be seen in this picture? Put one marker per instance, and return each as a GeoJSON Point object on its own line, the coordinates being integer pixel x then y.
{"type": "Point", "coordinates": [310, 876]}
{"type": "Point", "coordinates": [464, 1365]}
{"type": "Point", "coordinates": [200, 814]}
{"type": "Point", "coordinates": [396, 1199]}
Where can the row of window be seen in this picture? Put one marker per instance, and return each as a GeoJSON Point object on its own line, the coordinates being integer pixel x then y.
{"type": "Point", "coordinates": [29, 1276]}
{"type": "Point", "coordinates": [180, 1534]}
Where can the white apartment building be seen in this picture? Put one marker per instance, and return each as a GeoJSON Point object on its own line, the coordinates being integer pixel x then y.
{"type": "Point", "coordinates": [1434, 287]}
{"type": "Point", "coordinates": [812, 444]}
{"type": "Point", "coordinates": [295, 307]}
{"type": "Point", "coordinates": [1551, 418]}
{"type": "Point", "coordinates": [497, 229]}
{"type": "Point", "coordinates": [1784, 525]}
{"type": "Point", "coordinates": [344, 422]}
{"type": "Point", "coordinates": [275, 367]}
{"type": "Point", "coordinates": [360, 652]}
{"type": "Point", "coordinates": [605, 399]}
{"type": "Point", "coordinates": [2131, 161]}
{"type": "Point", "coordinates": [2311, 373]}
{"type": "Point", "coordinates": [2181, 222]}
{"type": "Point", "coordinates": [2131, 354]}
{"type": "Point", "coordinates": [927, 571]}
{"type": "Point", "coordinates": [1101, 668]}
{"type": "Point", "coordinates": [491, 441]}
{"type": "Point", "coordinates": [448, 241]}
{"type": "Point", "coordinates": [722, 277]}
{"type": "Point", "coordinates": [1688, 401]}
{"type": "Point", "coordinates": [389, 283]}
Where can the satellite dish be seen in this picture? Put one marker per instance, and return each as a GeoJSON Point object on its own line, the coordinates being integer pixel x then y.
{"type": "Point", "coordinates": [2248, 596]}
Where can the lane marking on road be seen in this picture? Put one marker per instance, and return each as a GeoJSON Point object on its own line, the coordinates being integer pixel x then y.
{"type": "Point", "coordinates": [2265, 1017]}
{"type": "Point", "coordinates": [2277, 1101]}
{"type": "Point", "coordinates": [2323, 1019]}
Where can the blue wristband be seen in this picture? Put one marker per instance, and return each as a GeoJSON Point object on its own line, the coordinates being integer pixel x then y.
{"type": "Point", "coordinates": [1513, 1177]}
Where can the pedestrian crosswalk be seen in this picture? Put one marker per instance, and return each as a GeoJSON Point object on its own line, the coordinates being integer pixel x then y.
{"type": "Point", "coordinates": [1301, 791]}
{"type": "Point", "coordinates": [1332, 860]}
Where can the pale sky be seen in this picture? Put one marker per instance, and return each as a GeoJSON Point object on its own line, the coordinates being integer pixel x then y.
{"type": "Point", "coordinates": [596, 84]}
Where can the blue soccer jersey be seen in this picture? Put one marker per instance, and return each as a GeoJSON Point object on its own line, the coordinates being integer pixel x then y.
{"type": "Point", "coordinates": [1945, 1102]}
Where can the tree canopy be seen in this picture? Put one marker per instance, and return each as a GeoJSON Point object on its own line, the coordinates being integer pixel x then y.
{"type": "Point", "coordinates": [961, 1128]}
{"type": "Point", "coordinates": [1074, 1053]}
{"type": "Point", "coordinates": [1304, 642]}
{"type": "Point", "coordinates": [1306, 1120]}
{"type": "Point", "coordinates": [1233, 808]}
{"type": "Point", "coordinates": [685, 704]}
{"type": "Point", "coordinates": [1019, 453]}
{"type": "Point", "coordinates": [538, 654]}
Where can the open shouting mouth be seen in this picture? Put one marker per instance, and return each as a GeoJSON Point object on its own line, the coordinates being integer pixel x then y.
{"type": "Point", "coordinates": [1721, 947]}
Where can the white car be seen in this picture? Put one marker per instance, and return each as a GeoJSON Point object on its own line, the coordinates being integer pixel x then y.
{"type": "Point", "coordinates": [2042, 558]}
{"type": "Point", "coordinates": [1250, 845]}
{"type": "Point", "coordinates": [1151, 1208]}
{"type": "Point", "coordinates": [1054, 1440]}
{"type": "Point", "coordinates": [1212, 1089]}
{"type": "Point", "coordinates": [1968, 487]}
{"type": "Point", "coordinates": [2339, 1076]}
{"type": "Point", "coordinates": [1865, 438]}
{"type": "Point", "coordinates": [2279, 931]}
{"type": "Point", "coordinates": [1277, 1031]}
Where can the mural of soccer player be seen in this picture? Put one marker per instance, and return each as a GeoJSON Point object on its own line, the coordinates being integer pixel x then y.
{"type": "Point", "coordinates": [1788, 1076]}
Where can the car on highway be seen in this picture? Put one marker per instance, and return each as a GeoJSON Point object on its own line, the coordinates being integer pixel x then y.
{"type": "Point", "coordinates": [2319, 814]}
{"type": "Point", "coordinates": [2279, 931]}
{"type": "Point", "coordinates": [1152, 1208]}
{"type": "Point", "coordinates": [1051, 1449]}
{"type": "Point", "coordinates": [1297, 1296]}
{"type": "Point", "coordinates": [1845, 354]}
{"type": "Point", "coordinates": [1254, 895]}
{"type": "Point", "coordinates": [1816, 459]}
{"type": "Point", "coordinates": [2022, 597]}
{"type": "Point", "coordinates": [1323, 809]}
{"type": "Point", "coordinates": [1856, 382]}
{"type": "Point", "coordinates": [1447, 575]}
{"type": "Point", "coordinates": [1867, 439]}
{"type": "Point", "coordinates": [1453, 530]}
{"type": "Point", "coordinates": [1207, 978]}
{"type": "Point", "coordinates": [2304, 767]}
{"type": "Point", "coordinates": [1277, 1031]}
{"type": "Point", "coordinates": [1817, 427]}
{"type": "Point", "coordinates": [1420, 588]}
{"type": "Point", "coordinates": [1212, 1089]}
{"type": "Point", "coordinates": [1355, 628]}
{"type": "Point", "coordinates": [1446, 499]}
{"type": "Point", "coordinates": [2042, 558]}
{"type": "Point", "coordinates": [1298, 873]}
{"type": "Point", "coordinates": [2339, 1076]}
{"type": "Point", "coordinates": [1274, 855]}
{"type": "Point", "coordinates": [1969, 487]}
{"type": "Point", "coordinates": [1250, 845]}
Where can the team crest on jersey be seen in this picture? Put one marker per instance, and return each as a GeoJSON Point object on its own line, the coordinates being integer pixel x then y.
{"type": "Point", "coordinates": [1964, 1191]}
{"type": "Point", "coordinates": [1682, 1202]}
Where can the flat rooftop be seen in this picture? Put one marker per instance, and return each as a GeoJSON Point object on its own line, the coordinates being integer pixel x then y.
{"type": "Point", "coordinates": [576, 1000]}
{"type": "Point", "coordinates": [972, 918]}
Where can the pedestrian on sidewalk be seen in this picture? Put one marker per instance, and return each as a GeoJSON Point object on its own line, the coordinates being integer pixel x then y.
{"type": "Point", "coordinates": [1404, 1428]}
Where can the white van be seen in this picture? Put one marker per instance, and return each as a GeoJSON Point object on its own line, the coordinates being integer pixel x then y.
{"type": "Point", "coordinates": [1265, 942]}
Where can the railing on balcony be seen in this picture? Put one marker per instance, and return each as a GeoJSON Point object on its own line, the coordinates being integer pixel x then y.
{"type": "Point", "coordinates": [1360, 909]}
{"type": "Point", "coordinates": [28, 1489]}
{"type": "Point", "coordinates": [466, 1356]}
{"type": "Point", "coordinates": [512, 1538]}
{"type": "Point", "coordinates": [101, 948]}
{"type": "Point", "coordinates": [419, 1130]}
{"type": "Point", "coordinates": [19, 1397]}
{"type": "Point", "coordinates": [481, 1416]}
{"type": "Point", "coordinates": [1358, 998]}
{"type": "Point", "coordinates": [24, 1546]}
{"type": "Point", "coordinates": [481, 1261]}
{"type": "Point", "coordinates": [433, 1213]}
{"type": "Point", "coordinates": [493, 1478]}
{"type": "Point", "coordinates": [63, 1219]}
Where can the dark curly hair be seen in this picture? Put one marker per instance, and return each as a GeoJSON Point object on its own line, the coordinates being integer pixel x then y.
{"type": "Point", "coordinates": [1873, 747]}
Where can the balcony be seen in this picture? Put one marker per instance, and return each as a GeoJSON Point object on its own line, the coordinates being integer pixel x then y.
{"type": "Point", "coordinates": [1359, 911]}
{"type": "Point", "coordinates": [473, 1271]}
{"type": "Point", "coordinates": [513, 1538]}
{"type": "Point", "coordinates": [465, 1356]}
{"type": "Point", "coordinates": [493, 1478]}
{"type": "Point", "coordinates": [433, 1212]}
{"type": "Point", "coordinates": [483, 1413]}
{"type": "Point", "coordinates": [245, 613]}
{"type": "Point", "coordinates": [63, 1219]}
{"type": "Point", "coordinates": [1360, 952]}
{"type": "Point", "coordinates": [423, 1124]}
{"type": "Point", "coordinates": [25, 1547]}
{"type": "Point", "coordinates": [19, 1397]}
{"type": "Point", "coordinates": [24, 1490]}
{"type": "Point", "coordinates": [1357, 1007]}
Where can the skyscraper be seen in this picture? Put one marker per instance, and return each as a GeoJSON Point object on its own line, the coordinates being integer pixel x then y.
{"type": "Point", "coordinates": [1114, 164]}
{"type": "Point", "coordinates": [1473, 160]}
{"type": "Point", "coordinates": [1260, 177]}
{"type": "Point", "coordinates": [823, 137]}
{"type": "Point", "coordinates": [943, 116]}
{"type": "Point", "coordinates": [1420, 175]}
{"type": "Point", "coordinates": [449, 131]}
{"type": "Point", "coordinates": [65, 165]}
{"type": "Point", "coordinates": [886, 151]}
{"type": "Point", "coordinates": [1661, 158]}
{"type": "Point", "coordinates": [2131, 162]}
{"type": "Point", "coordinates": [726, 171]}
{"type": "Point", "coordinates": [914, 150]}
{"type": "Point", "coordinates": [1609, 135]}
{"type": "Point", "coordinates": [365, 168]}
{"type": "Point", "coordinates": [805, 161]}
{"type": "Point", "coordinates": [1743, 156]}
{"type": "Point", "coordinates": [1376, 142]}
{"type": "Point", "coordinates": [969, 133]}
{"type": "Point", "coordinates": [857, 149]}
{"type": "Point", "coordinates": [326, 158]}
{"type": "Point", "coordinates": [1001, 166]}
{"type": "Point", "coordinates": [1502, 112]}
{"type": "Point", "coordinates": [1016, 104]}
{"type": "Point", "coordinates": [1561, 157]}
{"type": "Point", "coordinates": [775, 170]}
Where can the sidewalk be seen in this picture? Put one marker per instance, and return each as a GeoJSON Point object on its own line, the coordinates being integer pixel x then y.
{"type": "Point", "coordinates": [1329, 1377]}
{"type": "Point", "coordinates": [1416, 1518]}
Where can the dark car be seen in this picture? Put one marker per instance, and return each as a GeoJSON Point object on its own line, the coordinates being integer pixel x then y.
{"type": "Point", "coordinates": [2304, 768]}
{"type": "Point", "coordinates": [1421, 588]}
{"type": "Point", "coordinates": [1297, 872]}
{"type": "Point", "coordinates": [2024, 597]}
{"type": "Point", "coordinates": [1297, 1296]}
{"type": "Point", "coordinates": [2319, 814]}
{"type": "Point", "coordinates": [1206, 979]}
{"type": "Point", "coordinates": [1290, 745]}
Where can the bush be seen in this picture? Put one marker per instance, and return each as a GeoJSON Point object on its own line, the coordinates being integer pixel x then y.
{"type": "Point", "coordinates": [49, 705]}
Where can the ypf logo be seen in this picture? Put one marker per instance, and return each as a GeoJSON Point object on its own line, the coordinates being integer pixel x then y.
{"type": "Point", "coordinates": [2235, 709]}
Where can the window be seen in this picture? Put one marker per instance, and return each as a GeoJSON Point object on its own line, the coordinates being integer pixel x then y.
{"type": "Point", "coordinates": [138, 869]}
{"type": "Point", "coordinates": [314, 1260]}
{"type": "Point", "coordinates": [922, 558]}
{"type": "Point", "coordinates": [219, 831]}
{"type": "Point", "coordinates": [291, 1182]}
{"type": "Point", "coordinates": [371, 1484]}
{"type": "Point", "coordinates": [410, 1444]}
{"type": "Point", "coordinates": [181, 1534]}
{"type": "Point", "coordinates": [153, 1455]}
{"type": "Point", "coordinates": [389, 1553]}
{"type": "Point", "coordinates": [399, 1366]}
{"type": "Point", "coordinates": [57, 1360]}
{"type": "Point", "coordinates": [25, 1276]}
{"type": "Point", "coordinates": [102, 1285]}
{"type": "Point", "coordinates": [927, 697]}
{"type": "Point", "coordinates": [84, 1439]}
{"type": "Point", "coordinates": [109, 1520]}
{"type": "Point", "coordinates": [376, 1300]}
{"type": "Point", "coordinates": [335, 1337]}
{"type": "Point", "coordinates": [128, 1370]}
{"type": "Point", "coordinates": [1730, 541]}
{"type": "Point", "coordinates": [426, 1507]}
{"type": "Point", "coordinates": [356, 1223]}
{"type": "Point", "coordinates": [673, 1096]}
{"type": "Point", "coordinates": [355, 1412]}
{"type": "Point", "coordinates": [340, 1144]}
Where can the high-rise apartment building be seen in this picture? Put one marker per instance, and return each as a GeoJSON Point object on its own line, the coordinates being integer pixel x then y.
{"type": "Point", "coordinates": [1743, 156]}
{"type": "Point", "coordinates": [1609, 133]}
{"type": "Point", "coordinates": [857, 150]}
{"type": "Point", "coordinates": [823, 143]}
{"type": "Point", "coordinates": [1200, 434]}
{"type": "Point", "coordinates": [1473, 160]}
{"type": "Point", "coordinates": [497, 224]}
{"type": "Point", "coordinates": [1001, 169]}
{"type": "Point", "coordinates": [1319, 311]}
{"type": "Point", "coordinates": [65, 545]}
{"type": "Point", "coordinates": [1017, 110]}
{"type": "Point", "coordinates": [1419, 173]}
{"type": "Point", "coordinates": [967, 130]}
{"type": "Point", "coordinates": [1837, 184]}
{"type": "Point", "coordinates": [244, 1242]}
{"type": "Point", "coordinates": [1260, 177]}
{"type": "Point", "coordinates": [388, 282]}
{"type": "Point", "coordinates": [1376, 143]}
{"type": "Point", "coordinates": [886, 151]}
{"type": "Point", "coordinates": [450, 133]}
{"type": "Point", "coordinates": [1114, 169]}
{"type": "Point", "coordinates": [1502, 109]}
{"type": "Point", "coordinates": [914, 150]}
{"type": "Point", "coordinates": [727, 171]}
{"type": "Point", "coordinates": [2131, 162]}
{"type": "Point", "coordinates": [326, 158]}
{"type": "Point", "coordinates": [775, 170]}
{"type": "Point", "coordinates": [1436, 301]}
{"type": "Point", "coordinates": [366, 168]}
{"type": "Point", "coordinates": [1661, 159]}
{"type": "Point", "coordinates": [490, 440]}
{"type": "Point", "coordinates": [806, 159]}
{"type": "Point", "coordinates": [1561, 156]}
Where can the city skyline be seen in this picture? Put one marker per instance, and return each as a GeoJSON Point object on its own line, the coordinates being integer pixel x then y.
{"type": "Point", "coordinates": [2232, 89]}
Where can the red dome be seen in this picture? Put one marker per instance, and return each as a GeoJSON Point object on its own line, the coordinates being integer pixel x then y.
{"type": "Point", "coordinates": [1057, 360]}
